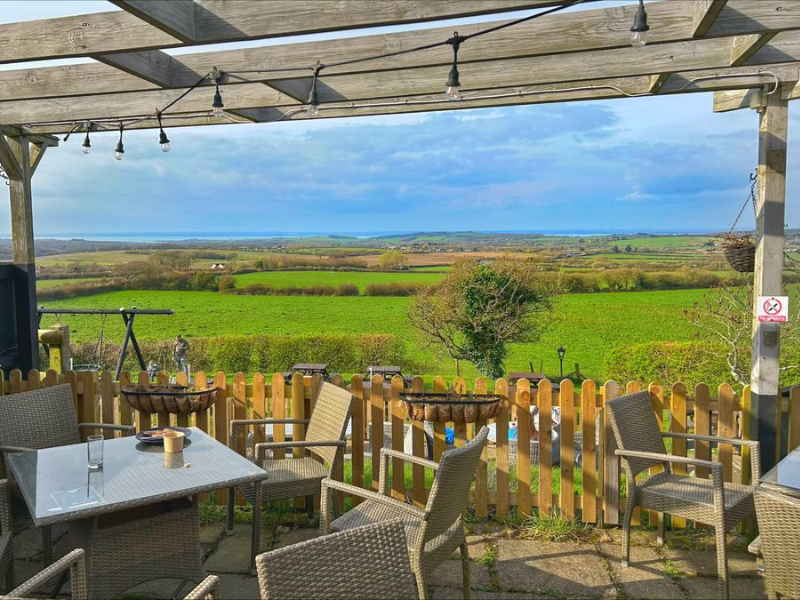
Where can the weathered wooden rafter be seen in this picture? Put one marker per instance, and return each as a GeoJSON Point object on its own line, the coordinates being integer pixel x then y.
{"type": "Point", "coordinates": [590, 30]}
{"type": "Point", "coordinates": [218, 21]}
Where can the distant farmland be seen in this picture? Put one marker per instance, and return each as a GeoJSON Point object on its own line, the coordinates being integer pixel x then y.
{"type": "Point", "coordinates": [279, 279]}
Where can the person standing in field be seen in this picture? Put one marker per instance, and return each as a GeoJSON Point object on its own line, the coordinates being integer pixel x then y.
{"type": "Point", "coordinates": [179, 349]}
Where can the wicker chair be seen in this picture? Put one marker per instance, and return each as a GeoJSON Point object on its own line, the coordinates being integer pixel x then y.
{"type": "Point", "coordinates": [641, 446]}
{"type": "Point", "coordinates": [207, 590]}
{"type": "Point", "coordinates": [44, 418]}
{"type": "Point", "coordinates": [75, 562]}
{"type": "Point", "coordinates": [434, 533]}
{"type": "Point", "coordinates": [296, 477]}
{"type": "Point", "coordinates": [778, 522]}
{"type": "Point", "coordinates": [366, 562]}
{"type": "Point", "coordinates": [6, 533]}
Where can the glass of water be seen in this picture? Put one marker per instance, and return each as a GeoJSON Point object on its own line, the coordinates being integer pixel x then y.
{"type": "Point", "coordinates": [94, 444]}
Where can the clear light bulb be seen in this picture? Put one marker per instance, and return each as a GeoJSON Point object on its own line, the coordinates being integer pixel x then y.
{"type": "Point", "coordinates": [313, 110]}
{"type": "Point", "coordinates": [451, 93]}
{"type": "Point", "coordinates": [119, 155]}
{"type": "Point", "coordinates": [165, 147]}
{"type": "Point", "coordinates": [638, 39]}
{"type": "Point", "coordinates": [218, 111]}
{"type": "Point", "coordinates": [86, 149]}
{"type": "Point", "coordinates": [87, 145]}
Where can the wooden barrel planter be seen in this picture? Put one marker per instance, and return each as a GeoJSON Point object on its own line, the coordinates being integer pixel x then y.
{"type": "Point", "coordinates": [175, 399]}
{"type": "Point", "coordinates": [462, 408]}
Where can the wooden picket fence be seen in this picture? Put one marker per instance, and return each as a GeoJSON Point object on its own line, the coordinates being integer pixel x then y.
{"type": "Point", "coordinates": [602, 499]}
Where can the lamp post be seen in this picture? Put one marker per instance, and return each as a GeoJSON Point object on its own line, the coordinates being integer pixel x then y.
{"type": "Point", "coordinates": [561, 352]}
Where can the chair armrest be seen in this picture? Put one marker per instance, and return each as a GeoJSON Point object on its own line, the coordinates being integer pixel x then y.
{"type": "Point", "coordinates": [755, 448]}
{"type": "Point", "coordinates": [331, 484]}
{"type": "Point", "coordinates": [386, 453]}
{"type": "Point", "coordinates": [75, 561]}
{"type": "Point", "coordinates": [684, 460]}
{"type": "Point", "coordinates": [236, 423]}
{"type": "Point", "coordinates": [15, 449]}
{"type": "Point", "coordinates": [264, 446]}
{"type": "Point", "coordinates": [206, 590]}
{"type": "Point", "coordinates": [129, 429]}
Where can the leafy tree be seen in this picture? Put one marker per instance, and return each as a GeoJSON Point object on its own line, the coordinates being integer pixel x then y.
{"type": "Point", "coordinates": [615, 249]}
{"type": "Point", "coordinates": [392, 259]}
{"type": "Point", "coordinates": [478, 309]}
{"type": "Point", "coordinates": [628, 249]}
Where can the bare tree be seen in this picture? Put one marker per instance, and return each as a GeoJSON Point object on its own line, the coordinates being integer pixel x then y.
{"type": "Point", "coordinates": [726, 313]}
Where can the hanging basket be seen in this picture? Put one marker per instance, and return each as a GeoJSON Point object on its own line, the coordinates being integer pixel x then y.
{"type": "Point", "coordinates": [175, 399]}
{"type": "Point", "coordinates": [740, 252]}
{"type": "Point", "coordinates": [441, 408]}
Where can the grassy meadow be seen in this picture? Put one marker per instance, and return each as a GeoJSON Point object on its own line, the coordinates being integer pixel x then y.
{"type": "Point", "coordinates": [588, 325]}
{"type": "Point", "coordinates": [279, 279]}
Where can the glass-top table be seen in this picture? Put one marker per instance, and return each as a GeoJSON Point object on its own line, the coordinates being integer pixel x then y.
{"type": "Point", "coordinates": [58, 486]}
{"type": "Point", "coordinates": [785, 476]}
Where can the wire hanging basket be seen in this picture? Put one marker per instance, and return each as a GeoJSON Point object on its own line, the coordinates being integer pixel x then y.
{"type": "Point", "coordinates": [460, 408]}
{"type": "Point", "coordinates": [740, 249]}
{"type": "Point", "coordinates": [175, 399]}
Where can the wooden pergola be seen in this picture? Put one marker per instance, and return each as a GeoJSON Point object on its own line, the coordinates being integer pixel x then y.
{"type": "Point", "coordinates": [747, 52]}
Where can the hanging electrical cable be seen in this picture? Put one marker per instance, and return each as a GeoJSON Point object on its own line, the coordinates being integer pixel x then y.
{"type": "Point", "coordinates": [162, 136]}
{"type": "Point", "coordinates": [313, 97]}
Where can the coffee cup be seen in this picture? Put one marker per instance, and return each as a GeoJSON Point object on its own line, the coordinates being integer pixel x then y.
{"type": "Point", "coordinates": [173, 441]}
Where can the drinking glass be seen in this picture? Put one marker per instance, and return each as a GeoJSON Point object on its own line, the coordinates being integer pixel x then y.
{"type": "Point", "coordinates": [94, 444]}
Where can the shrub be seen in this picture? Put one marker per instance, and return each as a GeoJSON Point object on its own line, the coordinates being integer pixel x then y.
{"type": "Point", "coordinates": [347, 289]}
{"type": "Point", "coordinates": [394, 288]}
{"type": "Point", "coordinates": [382, 349]}
{"type": "Point", "coordinates": [232, 353]}
{"type": "Point", "coordinates": [227, 282]}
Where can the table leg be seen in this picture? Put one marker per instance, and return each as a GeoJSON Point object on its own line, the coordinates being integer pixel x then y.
{"type": "Point", "coordinates": [231, 500]}
{"type": "Point", "coordinates": [256, 541]}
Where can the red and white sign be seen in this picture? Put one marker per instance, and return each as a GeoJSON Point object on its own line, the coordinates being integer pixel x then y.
{"type": "Point", "coordinates": [773, 309]}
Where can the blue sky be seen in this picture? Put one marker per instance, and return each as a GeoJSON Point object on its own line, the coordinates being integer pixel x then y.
{"type": "Point", "coordinates": [647, 164]}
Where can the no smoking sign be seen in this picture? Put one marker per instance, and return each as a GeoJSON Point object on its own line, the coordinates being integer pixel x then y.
{"type": "Point", "coordinates": [773, 309]}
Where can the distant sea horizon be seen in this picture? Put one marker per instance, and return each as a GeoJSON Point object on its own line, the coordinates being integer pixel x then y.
{"type": "Point", "coordinates": [178, 236]}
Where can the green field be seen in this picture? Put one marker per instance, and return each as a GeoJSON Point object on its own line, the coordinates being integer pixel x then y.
{"type": "Point", "coordinates": [43, 284]}
{"type": "Point", "coordinates": [360, 278]}
{"type": "Point", "coordinates": [666, 242]}
{"type": "Point", "coordinates": [588, 325]}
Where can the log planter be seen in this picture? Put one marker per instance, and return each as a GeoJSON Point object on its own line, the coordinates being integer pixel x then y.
{"type": "Point", "coordinates": [462, 408]}
{"type": "Point", "coordinates": [175, 399]}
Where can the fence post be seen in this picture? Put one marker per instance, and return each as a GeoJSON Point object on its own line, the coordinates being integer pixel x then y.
{"type": "Point", "coordinates": [567, 492]}
{"type": "Point", "coordinates": [107, 398]}
{"type": "Point", "coordinates": [221, 421]}
{"type": "Point", "coordinates": [678, 425]}
{"type": "Point", "coordinates": [588, 418]}
{"type": "Point", "coordinates": [357, 435]}
{"type": "Point", "coordinates": [419, 445]}
{"type": "Point", "coordinates": [482, 476]}
{"type": "Point", "coordinates": [725, 428]}
{"type": "Point", "coordinates": [460, 428]}
{"type": "Point", "coordinates": [611, 462]}
{"type": "Point", "coordinates": [126, 416]}
{"type": "Point", "coordinates": [439, 442]}
{"type": "Point", "coordinates": [657, 401]}
{"type": "Point", "coordinates": [502, 501]}
{"type": "Point", "coordinates": [376, 415]}
{"type": "Point", "coordinates": [544, 393]}
{"type": "Point", "coordinates": [398, 438]}
{"type": "Point", "coordinates": [523, 404]}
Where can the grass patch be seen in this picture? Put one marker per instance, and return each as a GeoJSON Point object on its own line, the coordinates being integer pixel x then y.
{"type": "Point", "coordinates": [554, 527]}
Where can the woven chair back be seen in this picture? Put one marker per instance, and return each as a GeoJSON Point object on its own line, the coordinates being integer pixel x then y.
{"type": "Point", "coordinates": [364, 562]}
{"type": "Point", "coordinates": [329, 420]}
{"type": "Point", "coordinates": [43, 418]}
{"type": "Point", "coordinates": [636, 428]}
{"type": "Point", "coordinates": [450, 490]}
{"type": "Point", "coordinates": [778, 523]}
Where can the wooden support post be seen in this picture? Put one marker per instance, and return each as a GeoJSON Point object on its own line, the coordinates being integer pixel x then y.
{"type": "Point", "coordinates": [769, 271]}
{"type": "Point", "coordinates": [16, 161]}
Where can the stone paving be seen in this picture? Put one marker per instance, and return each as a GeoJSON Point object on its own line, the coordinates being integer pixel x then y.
{"type": "Point", "coordinates": [503, 564]}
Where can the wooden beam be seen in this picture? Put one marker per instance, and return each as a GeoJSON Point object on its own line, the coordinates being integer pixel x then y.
{"type": "Point", "coordinates": [557, 34]}
{"type": "Point", "coordinates": [154, 66]}
{"type": "Point", "coordinates": [768, 278]}
{"type": "Point", "coordinates": [218, 21]}
{"type": "Point", "coordinates": [175, 17]}
{"type": "Point", "coordinates": [7, 159]}
{"type": "Point", "coordinates": [658, 81]}
{"type": "Point", "coordinates": [737, 99]}
{"type": "Point", "coordinates": [705, 13]}
{"type": "Point", "coordinates": [743, 47]}
{"type": "Point", "coordinates": [37, 154]}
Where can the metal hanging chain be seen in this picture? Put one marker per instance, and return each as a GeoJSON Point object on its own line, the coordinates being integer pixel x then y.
{"type": "Point", "coordinates": [98, 346]}
{"type": "Point", "coordinates": [751, 198]}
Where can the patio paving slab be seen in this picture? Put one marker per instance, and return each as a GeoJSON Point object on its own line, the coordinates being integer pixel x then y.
{"type": "Point", "coordinates": [232, 553]}
{"type": "Point", "coordinates": [555, 569]}
{"type": "Point", "coordinates": [645, 576]}
{"type": "Point", "coordinates": [703, 563]}
{"type": "Point", "coordinates": [237, 586]}
{"type": "Point", "coordinates": [740, 589]}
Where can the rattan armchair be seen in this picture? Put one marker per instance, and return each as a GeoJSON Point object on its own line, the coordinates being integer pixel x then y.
{"type": "Point", "coordinates": [710, 501]}
{"type": "Point", "coordinates": [297, 477]}
{"type": "Point", "coordinates": [75, 562]}
{"type": "Point", "coordinates": [778, 524]}
{"type": "Point", "coordinates": [44, 418]}
{"type": "Point", "coordinates": [434, 533]}
{"type": "Point", "coordinates": [207, 590]}
{"type": "Point", "coordinates": [6, 542]}
{"type": "Point", "coordinates": [366, 562]}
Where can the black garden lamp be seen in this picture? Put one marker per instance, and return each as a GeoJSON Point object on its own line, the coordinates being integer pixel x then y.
{"type": "Point", "coordinates": [561, 352]}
